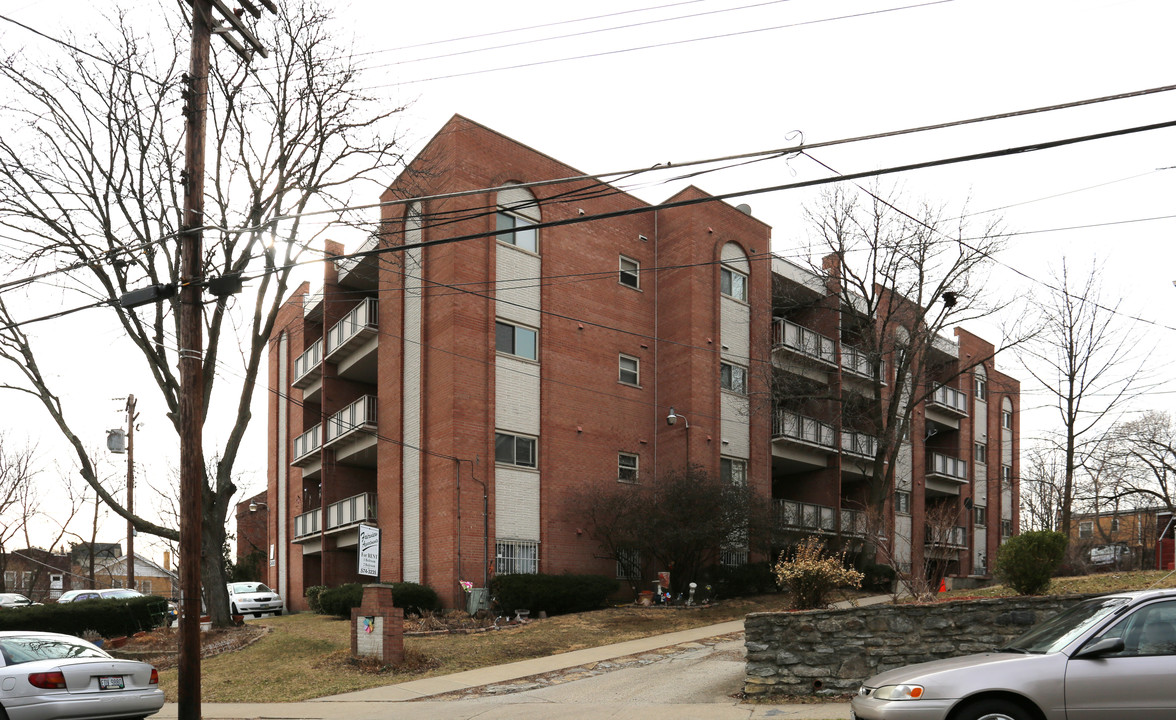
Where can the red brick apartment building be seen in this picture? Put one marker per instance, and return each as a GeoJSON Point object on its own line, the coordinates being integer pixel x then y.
{"type": "Point", "coordinates": [507, 370]}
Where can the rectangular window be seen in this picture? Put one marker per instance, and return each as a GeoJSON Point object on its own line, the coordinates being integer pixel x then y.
{"type": "Point", "coordinates": [1114, 524]}
{"type": "Point", "coordinates": [516, 556]}
{"type": "Point", "coordinates": [733, 284]}
{"type": "Point", "coordinates": [629, 370]}
{"type": "Point", "coordinates": [514, 450]}
{"type": "Point", "coordinates": [733, 378]}
{"type": "Point", "coordinates": [902, 502]}
{"type": "Point", "coordinates": [981, 388]}
{"type": "Point", "coordinates": [627, 467]}
{"type": "Point", "coordinates": [516, 340]}
{"type": "Point", "coordinates": [145, 587]}
{"type": "Point", "coordinates": [1006, 420]}
{"type": "Point", "coordinates": [1006, 476]}
{"type": "Point", "coordinates": [732, 471]}
{"type": "Point", "coordinates": [629, 274]}
{"type": "Point", "coordinates": [980, 514]}
{"type": "Point", "coordinates": [1006, 528]}
{"type": "Point", "coordinates": [981, 452]}
{"type": "Point", "coordinates": [628, 564]}
{"type": "Point", "coordinates": [524, 235]}
{"type": "Point", "coordinates": [1086, 529]}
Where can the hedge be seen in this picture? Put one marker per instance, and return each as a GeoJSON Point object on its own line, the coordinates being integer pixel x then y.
{"type": "Point", "coordinates": [108, 618]}
{"type": "Point", "coordinates": [553, 594]}
{"type": "Point", "coordinates": [411, 597]}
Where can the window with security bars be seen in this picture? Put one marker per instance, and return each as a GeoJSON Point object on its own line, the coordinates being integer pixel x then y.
{"type": "Point", "coordinates": [516, 557]}
{"type": "Point", "coordinates": [627, 467]}
{"type": "Point", "coordinates": [733, 557]}
{"type": "Point", "coordinates": [628, 564]}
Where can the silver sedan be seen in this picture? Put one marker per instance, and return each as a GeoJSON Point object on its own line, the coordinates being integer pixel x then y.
{"type": "Point", "coordinates": [1108, 658]}
{"type": "Point", "coordinates": [49, 676]}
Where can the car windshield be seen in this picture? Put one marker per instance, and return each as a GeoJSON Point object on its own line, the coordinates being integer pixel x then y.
{"type": "Point", "coordinates": [29, 648]}
{"type": "Point", "coordinates": [248, 587]}
{"type": "Point", "coordinates": [1060, 630]}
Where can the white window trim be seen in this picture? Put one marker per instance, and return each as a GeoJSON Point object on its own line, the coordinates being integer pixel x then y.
{"type": "Point", "coordinates": [514, 236]}
{"type": "Point", "coordinates": [636, 370]}
{"type": "Point", "coordinates": [517, 436]}
{"type": "Point", "coordinates": [733, 272]}
{"type": "Point", "coordinates": [634, 469]}
{"type": "Point", "coordinates": [514, 339]}
{"type": "Point", "coordinates": [735, 370]}
{"type": "Point", "coordinates": [635, 272]}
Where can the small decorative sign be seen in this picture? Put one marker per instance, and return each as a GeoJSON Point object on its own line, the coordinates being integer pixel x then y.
{"type": "Point", "coordinates": [369, 550]}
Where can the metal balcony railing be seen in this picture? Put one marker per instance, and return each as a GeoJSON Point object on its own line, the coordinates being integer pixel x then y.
{"type": "Point", "coordinates": [856, 443]}
{"type": "Point", "coordinates": [306, 364]}
{"type": "Point", "coordinates": [795, 426]}
{"type": "Point", "coordinates": [947, 466]}
{"type": "Point", "coordinates": [363, 317]}
{"type": "Point", "coordinates": [858, 362]}
{"type": "Point", "coordinates": [952, 537]}
{"type": "Point", "coordinates": [805, 516]}
{"type": "Point", "coordinates": [949, 398]}
{"type": "Point", "coordinates": [802, 340]}
{"type": "Point", "coordinates": [307, 443]}
{"type": "Point", "coordinates": [307, 524]}
{"type": "Point", "coordinates": [359, 415]}
{"type": "Point", "coordinates": [355, 509]}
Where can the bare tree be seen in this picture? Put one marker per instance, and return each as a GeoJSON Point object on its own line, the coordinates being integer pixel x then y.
{"type": "Point", "coordinates": [1147, 448]}
{"type": "Point", "coordinates": [1042, 478]}
{"type": "Point", "coordinates": [1086, 360]}
{"type": "Point", "coordinates": [16, 494]}
{"type": "Point", "coordinates": [899, 279]}
{"type": "Point", "coordinates": [90, 169]}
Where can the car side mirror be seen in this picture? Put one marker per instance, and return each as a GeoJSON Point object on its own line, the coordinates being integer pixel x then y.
{"type": "Point", "coordinates": [1099, 648]}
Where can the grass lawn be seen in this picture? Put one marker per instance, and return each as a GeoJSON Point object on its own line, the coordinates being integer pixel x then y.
{"type": "Point", "coordinates": [306, 656]}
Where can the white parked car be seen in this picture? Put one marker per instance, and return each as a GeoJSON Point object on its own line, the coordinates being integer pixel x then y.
{"type": "Point", "coordinates": [15, 600]}
{"type": "Point", "coordinates": [49, 676]}
{"type": "Point", "coordinates": [103, 594]}
{"type": "Point", "coordinates": [253, 598]}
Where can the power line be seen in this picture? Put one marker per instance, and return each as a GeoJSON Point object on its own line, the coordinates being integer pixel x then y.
{"type": "Point", "coordinates": [651, 46]}
{"type": "Point", "coordinates": [77, 49]}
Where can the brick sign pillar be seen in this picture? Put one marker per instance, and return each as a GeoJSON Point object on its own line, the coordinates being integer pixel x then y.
{"type": "Point", "coordinates": [377, 628]}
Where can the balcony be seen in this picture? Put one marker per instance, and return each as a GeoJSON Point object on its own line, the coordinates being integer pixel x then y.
{"type": "Point", "coordinates": [857, 362]}
{"type": "Point", "coordinates": [955, 538]}
{"type": "Point", "coordinates": [794, 426]}
{"type": "Point", "coordinates": [360, 271]}
{"type": "Point", "coordinates": [803, 341]}
{"type": "Point", "coordinates": [944, 474]}
{"type": "Point", "coordinates": [355, 327]}
{"type": "Point", "coordinates": [794, 515]}
{"type": "Point", "coordinates": [351, 433]}
{"type": "Point", "coordinates": [306, 446]}
{"type": "Point", "coordinates": [860, 444]}
{"type": "Point", "coordinates": [949, 399]}
{"type": "Point", "coordinates": [351, 511]}
{"type": "Point", "coordinates": [308, 366]}
{"type": "Point", "coordinates": [307, 525]}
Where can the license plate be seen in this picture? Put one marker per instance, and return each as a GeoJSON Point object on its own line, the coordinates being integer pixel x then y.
{"type": "Point", "coordinates": [110, 682]}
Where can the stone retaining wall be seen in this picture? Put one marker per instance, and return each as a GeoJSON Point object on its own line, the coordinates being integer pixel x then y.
{"type": "Point", "coordinates": [830, 652]}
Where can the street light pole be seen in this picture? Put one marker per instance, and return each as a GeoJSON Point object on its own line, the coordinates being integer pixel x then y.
{"type": "Point", "coordinates": [131, 417]}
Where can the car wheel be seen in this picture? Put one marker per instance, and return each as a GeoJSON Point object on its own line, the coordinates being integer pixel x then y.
{"type": "Point", "coordinates": [994, 709]}
{"type": "Point", "coordinates": [233, 610]}
{"type": "Point", "coordinates": [277, 612]}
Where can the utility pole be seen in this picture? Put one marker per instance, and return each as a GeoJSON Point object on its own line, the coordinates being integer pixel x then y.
{"type": "Point", "coordinates": [131, 417]}
{"type": "Point", "coordinates": [192, 364]}
{"type": "Point", "coordinates": [191, 352]}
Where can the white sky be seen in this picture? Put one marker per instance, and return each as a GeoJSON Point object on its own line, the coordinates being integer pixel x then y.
{"type": "Point", "coordinates": [830, 79]}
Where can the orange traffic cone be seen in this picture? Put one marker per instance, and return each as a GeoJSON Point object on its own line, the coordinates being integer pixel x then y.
{"type": "Point", "coordinates": [943, 585]}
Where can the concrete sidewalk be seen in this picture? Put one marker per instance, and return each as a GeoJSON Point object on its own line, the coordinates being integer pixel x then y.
{"type": "Point", "coordinates": [408, 699]}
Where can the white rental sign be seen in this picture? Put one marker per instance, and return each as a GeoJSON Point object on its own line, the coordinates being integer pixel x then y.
{"type": "Point", "coordinates": [369, 550]}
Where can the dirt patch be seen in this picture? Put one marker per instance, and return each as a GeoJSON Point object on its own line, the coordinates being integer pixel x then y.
{"type": "Point", "coordinates": [161, 647]}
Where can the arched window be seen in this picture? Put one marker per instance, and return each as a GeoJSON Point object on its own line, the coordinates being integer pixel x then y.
{"type": "Point", "coordinates": [518, 211]}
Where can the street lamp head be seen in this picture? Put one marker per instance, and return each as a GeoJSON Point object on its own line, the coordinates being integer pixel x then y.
{"type": "Point", "coordinates": [255, 504]}
{"type": "Point", "coordinates": [672, 417]}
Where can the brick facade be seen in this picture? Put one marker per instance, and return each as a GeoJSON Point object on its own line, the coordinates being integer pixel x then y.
{"type": "Point", "coordinates": [416, 328]}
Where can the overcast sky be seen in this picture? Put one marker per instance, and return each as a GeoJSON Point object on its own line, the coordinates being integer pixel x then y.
{"type": "Point", "coordinates": [747, 76]}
